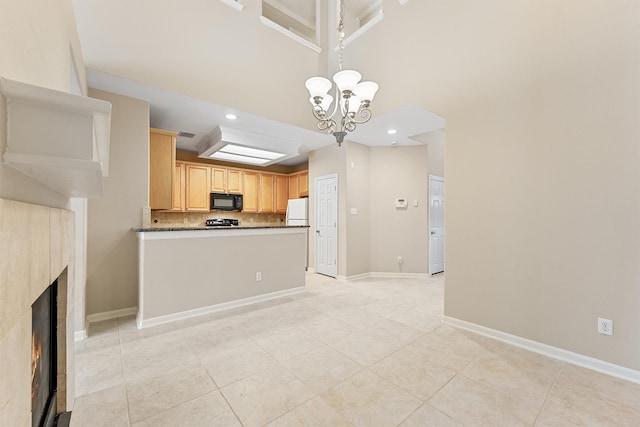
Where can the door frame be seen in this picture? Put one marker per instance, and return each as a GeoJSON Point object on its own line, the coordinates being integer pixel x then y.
{"type": "Point", "coordinates": [316, 216]}
{"type": "Point", "coordinates": [436, 178]}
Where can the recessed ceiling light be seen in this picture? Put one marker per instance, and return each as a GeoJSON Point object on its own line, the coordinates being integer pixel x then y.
{"type": "Point", "coordinates": [231, 116]}
{"type": "Point", "coordinates": [392, 131]}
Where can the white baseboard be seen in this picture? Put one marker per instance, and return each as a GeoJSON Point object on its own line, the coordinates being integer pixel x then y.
{"type": "Point", "coordinates": [550, 351]}
{"type": "Point", "coordinates": [80, 335]}
{"type": "Point", "coordinates": [154, 321]}
{"type": "Point", "coordinates": [108, 315]}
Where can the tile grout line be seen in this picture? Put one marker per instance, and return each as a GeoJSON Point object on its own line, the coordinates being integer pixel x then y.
{"type": "Point", "coordinates": [546, 398]}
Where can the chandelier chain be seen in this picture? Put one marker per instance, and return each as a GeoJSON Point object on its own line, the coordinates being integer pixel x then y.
{"type": "Point", "coordinates": [341, 35]}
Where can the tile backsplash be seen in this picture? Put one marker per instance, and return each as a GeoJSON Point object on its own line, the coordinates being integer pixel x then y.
{"type": "Point", "coordinates": [197, 219]}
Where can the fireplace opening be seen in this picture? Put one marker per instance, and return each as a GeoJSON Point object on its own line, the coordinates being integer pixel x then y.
{"type": "Point", "coordinates": [44, 358]}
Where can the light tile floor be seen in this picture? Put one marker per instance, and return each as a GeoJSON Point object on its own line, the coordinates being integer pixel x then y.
{"type": "Point", "coordinates": [365, 353]}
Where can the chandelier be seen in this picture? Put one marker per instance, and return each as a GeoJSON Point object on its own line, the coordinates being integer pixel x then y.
{"type": "Point", "coordinates": [352, 97]}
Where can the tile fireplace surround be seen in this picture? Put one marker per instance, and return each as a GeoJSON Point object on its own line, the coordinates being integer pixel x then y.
{"type": "Point", "coordinates": [36, 247]}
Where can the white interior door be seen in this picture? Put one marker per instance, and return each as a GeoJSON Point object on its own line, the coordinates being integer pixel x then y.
{"type": "Point", "coordinates": [436, 224]}
{"type": "Point", "coordinates": [326, 193]}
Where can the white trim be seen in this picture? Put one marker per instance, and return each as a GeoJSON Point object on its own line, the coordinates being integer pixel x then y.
{"type": "Point", "coordinates": [141, 258]}
{"type": "Point", "coordinates": [108, 315]}
{"type": "Point", "coordinates": [154, 321]}
{"type": "Point", "coordinates": [306, 43]}
{"type": "Point", "coordinates": [434, 178]}
{"type": "Point", "coordinates": [360, 31]}
{"type": "Point", "coordinates": [80, 335]}
{"type": "Point", "coordinates": [291, 14]}
{"type": "Point", "coordinates": [547, 350]}
{"type": "Point", "coordinates": [214, 232]}
{"type": "Point", "coordinates": [234, 4]}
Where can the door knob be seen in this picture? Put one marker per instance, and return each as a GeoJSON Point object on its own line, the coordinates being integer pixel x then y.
{"type": "Point", "coordinates": [433, 232]}
{"type": "Point", "coordinates": [318, 231]}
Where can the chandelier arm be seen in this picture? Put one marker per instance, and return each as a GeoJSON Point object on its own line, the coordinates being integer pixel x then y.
{"type": "Point", "coordinates": [365, 114]}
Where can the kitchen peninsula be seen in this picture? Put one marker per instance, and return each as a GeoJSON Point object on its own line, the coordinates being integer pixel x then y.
{"type": "Point", "coordinates": [185, 272]}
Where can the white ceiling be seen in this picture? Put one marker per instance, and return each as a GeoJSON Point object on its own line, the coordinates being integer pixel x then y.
{"type": "Point", "coordinates": [106, 49]}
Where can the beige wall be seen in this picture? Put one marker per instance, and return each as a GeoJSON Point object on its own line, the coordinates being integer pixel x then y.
{"type": "Point", "coordinates": [36, 41]}
{"type": "Point", "coordinates": [112, 255]}
{"type": "Point", "coordinates": [370, 179]}
{"type": "Point", "coordinates": [399, 172]}
{"type": "Point", "coordinates": [358, 197]}
{"type": "Point", "coordinates": [326, 161]}
{"type": "Point", "coordinates": [542, 103]}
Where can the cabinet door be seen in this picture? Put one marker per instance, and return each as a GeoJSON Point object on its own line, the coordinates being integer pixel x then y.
{"type": "Point", "coordinates": [162, 159]}
{"type": "Point", "coordinates": [282, 193]}
{"type": "Point", "coordinates": [218, 180]}
{"type": "Point", "coordinates": [234, 181]}
{"type": "Point", "coordinates": [198, 183]}
{"type": "Point", "coordinates": [293, 187]}
{"type": "Point", "coordinates": [266, 193]}
{"type": "Point", "coordinates": [303, 184]}
{"type": "Point", "coordinates": [250, 183]}
{"type": "Point", "coordinates": [178, 188]}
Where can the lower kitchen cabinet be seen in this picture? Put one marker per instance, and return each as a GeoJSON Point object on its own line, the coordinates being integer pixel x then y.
{"type": "Point", "coordinates": [198, 186]}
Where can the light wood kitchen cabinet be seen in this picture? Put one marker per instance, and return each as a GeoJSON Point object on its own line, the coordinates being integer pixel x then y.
{"type": "Point", "coordinates": [299, 185]}
{"type": "Point", "coordinates": [281, 193]}
{"type": "Point", "coordinates": [303, 184]}
{"type": "Point", "coordinates": [293, 186]}
{"type": "Point", "coordinates": [198, 187]}
{"type": "Point", "coordinates": [234, 181]}
{"type": "Point", "coordinates": [250, 184]}
{"type": "Point", "coordinates": [225, 180]}
{"type": "Point", "coordinates": [178, 187]}
{"type": "Point", "coordinates": [266, 204]}
{"type": "Point", "coordinates": [218, 180]}
{"type": "Point", "coordinates": [162, 160]}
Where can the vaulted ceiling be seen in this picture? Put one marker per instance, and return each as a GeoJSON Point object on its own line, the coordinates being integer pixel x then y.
{"type": "Point", "coordinates": [195, 60]}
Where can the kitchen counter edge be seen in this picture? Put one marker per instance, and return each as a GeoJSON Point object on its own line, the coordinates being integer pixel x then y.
{"type": "Point", "coordinates": [152, 229]}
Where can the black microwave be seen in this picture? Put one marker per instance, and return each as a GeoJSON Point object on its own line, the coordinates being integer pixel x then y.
{"type": "Point", "coordinates": [226, 202]}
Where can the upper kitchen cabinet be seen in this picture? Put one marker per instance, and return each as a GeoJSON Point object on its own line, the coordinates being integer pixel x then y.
{"type": "Point", "coordinates": [218, 180]}
{"type": "Point", "coordinates": [250, 184]}
{"type": "Point", "coordinates": [293, 187]}
{"type": "Point", "coordinates": [299, 185]}
{"type": "Point", "coordinates": [303, 184]}
{"type": "Point", "coordinates": [198, 187]}
{"type": "Point", "coordinates": [266, 204]}
{"type": "Point", "coordinates": [162, 160]}
{"type": "Point", "coordinates": [224, 180]}
{"type": "Point", "coordinates": [281, 193]}
{"type": "Point", "coordinates": [178, 187]}
{"type": "Point", "coordinates": [234, 181]}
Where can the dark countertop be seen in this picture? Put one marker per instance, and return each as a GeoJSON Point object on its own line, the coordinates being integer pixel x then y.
{"type": "Point", "coordinates": [146, 229]}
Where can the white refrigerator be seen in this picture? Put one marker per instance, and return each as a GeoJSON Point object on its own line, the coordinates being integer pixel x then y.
{"type": "Point", "coordinates": [298, 214]}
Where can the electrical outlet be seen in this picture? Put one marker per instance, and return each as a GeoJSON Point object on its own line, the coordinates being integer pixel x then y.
{"type": "Point", "coordinates": [605, 326]}
{"type": "Point", "coordinates": [185, 220]}
{"type": "Point", "coordinates": [258, 276]}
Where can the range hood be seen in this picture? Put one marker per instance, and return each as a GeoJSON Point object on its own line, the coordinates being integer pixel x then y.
{"type": "Point", "coordinates": [57, 138]}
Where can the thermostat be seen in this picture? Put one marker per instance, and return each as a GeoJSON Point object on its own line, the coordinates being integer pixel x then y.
{"type": "Point", "coordinates": [401, 203]}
